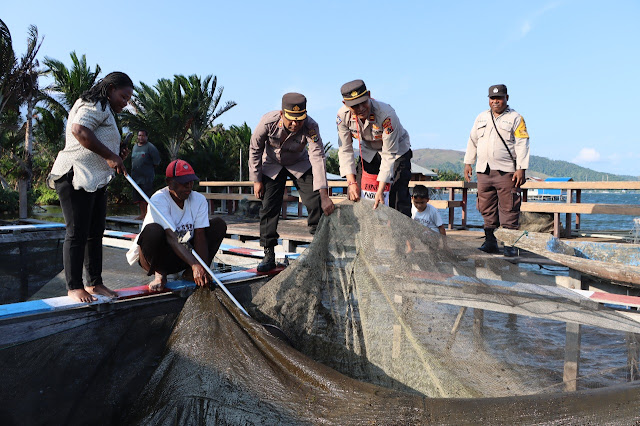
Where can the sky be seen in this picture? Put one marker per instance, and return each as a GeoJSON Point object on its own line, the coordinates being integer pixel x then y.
{"type": "Point", "coordinates": [572, 67]}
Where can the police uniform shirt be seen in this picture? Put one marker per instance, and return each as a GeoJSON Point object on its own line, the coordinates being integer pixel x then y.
{"type": "Point", "coordinates": [485, 146]}
{"type": "Point", "coordinates": [381, 132]}
{"type": "Point", "coordinates": [274, 147]}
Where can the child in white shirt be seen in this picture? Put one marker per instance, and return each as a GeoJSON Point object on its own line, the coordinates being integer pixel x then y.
{"type": "Point", "coordinates": [424, 213]}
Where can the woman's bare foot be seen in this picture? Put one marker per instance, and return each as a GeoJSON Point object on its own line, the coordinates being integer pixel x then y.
{"type": "Point", "coordinates": [102, 290]}
{"type": "Point", "coordinates": [158, 283]}
{"type": "Point", "coordinates": [81, 295]}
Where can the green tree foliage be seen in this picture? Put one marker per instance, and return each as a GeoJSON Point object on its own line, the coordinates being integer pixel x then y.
{"type": "Point", "coordinates": [19, 86]}
{"type": "Point", "coordinates": [448, 175]}
{"type": "Point", "coordinates": [204, 98]}
{"type": "Point", "coordinates": [174, 111]}
{"type": "Point", "coordinates": [217, 156]}
{"type": "Point", "coordinates": [70, 83]}
{"type": "Point", "coordinates": [333, 164]}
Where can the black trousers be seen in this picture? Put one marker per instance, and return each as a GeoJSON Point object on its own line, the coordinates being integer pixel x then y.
{"type": "Point", "coordinates": [272, 204]}
{"type": "Point", "coordinates": [84, 215]}
{"type": "Point", "coordinates": [161, 257]}
{"type": "Point", "coordinates": [399, 196]}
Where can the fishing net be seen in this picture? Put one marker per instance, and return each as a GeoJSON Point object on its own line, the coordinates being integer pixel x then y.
{"type": "Point", "coordinates": [390, 323]}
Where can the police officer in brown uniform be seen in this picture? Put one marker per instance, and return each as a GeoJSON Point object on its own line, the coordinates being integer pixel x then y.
{"type": "Point", "coordinates": [499, 145]}
{"type": "Point", "coordinates": [385, 148]}
{"type": "Point", "coordinates": [279, 150]}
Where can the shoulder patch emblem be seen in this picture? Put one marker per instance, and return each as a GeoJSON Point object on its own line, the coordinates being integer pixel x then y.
{"type": "Point", "coordinates": [386, 125]}
{"type": "Point", "coordinates": [313, 135]}
{"type": "Point", "coordinates": [338, 120]}
{"type": "Point", "coordinates": [521, 130]}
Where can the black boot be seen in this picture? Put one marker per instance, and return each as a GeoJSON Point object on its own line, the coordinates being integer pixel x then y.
{"type": "Point", "coordinates": [490, 244]}
{"type": "Point", "coordinates": [269, 261]}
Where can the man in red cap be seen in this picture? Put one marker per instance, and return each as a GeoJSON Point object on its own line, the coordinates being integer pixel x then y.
{"type": "Point", "coordinates": [161, 251]}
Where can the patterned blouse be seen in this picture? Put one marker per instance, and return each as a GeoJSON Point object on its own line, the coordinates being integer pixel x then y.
{"type": "Point", "coordinates": [90, 171]}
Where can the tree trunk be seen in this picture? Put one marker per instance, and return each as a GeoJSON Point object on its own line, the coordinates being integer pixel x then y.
{"type": "Point", "coordinates": [24, 182]}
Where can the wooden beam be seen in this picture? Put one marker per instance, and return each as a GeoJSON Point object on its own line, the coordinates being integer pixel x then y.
{"type": "Point", "coordinates": [572, 357]}
{"type": "Point", "coordinates": [633, 348]}
{"type": "Point", "coordinates": [582, 208]}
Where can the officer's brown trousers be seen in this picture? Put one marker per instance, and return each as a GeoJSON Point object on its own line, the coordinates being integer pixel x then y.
{"type": "Point", "coordinates": [498, 199]}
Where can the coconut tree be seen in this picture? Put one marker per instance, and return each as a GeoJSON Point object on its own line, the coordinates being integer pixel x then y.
{"type": "Point", "coordinates": [19, 87]}
{"type": "Point", "coordinates": [203, 97]}
{"type": "Point", "coordinates": [163, 111]}
{"type": "Point", "coordinates": [70, 83]}
{"type": "Point", "coordinates": [173, 111]}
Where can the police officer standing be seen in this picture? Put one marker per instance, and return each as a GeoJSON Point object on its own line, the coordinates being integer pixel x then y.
{"type": "Point", "coordinates": [385, 149]}
{"type": "Point", "coordinates": [500, 143]}
{"type": "Point", "coordinates": [279, 150]}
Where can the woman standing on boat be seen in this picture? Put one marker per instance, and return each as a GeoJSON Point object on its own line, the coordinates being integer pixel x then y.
{"type": "Point", "coordinates": [80, 176]}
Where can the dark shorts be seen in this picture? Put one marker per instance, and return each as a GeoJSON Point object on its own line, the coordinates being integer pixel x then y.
{"type": "Point", "coordinates": [146, 187]}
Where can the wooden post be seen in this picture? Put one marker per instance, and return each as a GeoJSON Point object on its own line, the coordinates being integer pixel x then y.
{"type": "Point", "coordinates": [633, 347]}
{"type": "Point", "coordinates": [567, 231]}
{"type": "Point", "coordinates": [572, 357]}
{"type": "Point", "coordinates": [456, 324]}
{"type": "Point", "coordinates": [464, 208]}
{"type": "Point", "coordinates": [478, 320]}
{"type": "Point", "coordinates": [578, 199]}
{"type": "Point", "coordinates": [452, 196]}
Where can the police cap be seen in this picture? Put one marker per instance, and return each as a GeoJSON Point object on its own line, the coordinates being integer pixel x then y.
{"type": "Point", "coordinates": [294, 106]}
{"type": "Point", "coordinates": [497, 90]}
{"type": "Point", "coordinates": [354, 92]}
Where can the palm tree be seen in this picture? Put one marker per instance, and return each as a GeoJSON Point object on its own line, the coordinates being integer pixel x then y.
{"type": "Point", "coordinates": [70, 83]}
{"type": "Point", "coordinates": [163, 111]}
{"type": "Point", "coordinates": [175, 110]}
{"type": "Point", "coordinates": [204, 101]}
{"type": "Point", "coordinates": [19, 86]}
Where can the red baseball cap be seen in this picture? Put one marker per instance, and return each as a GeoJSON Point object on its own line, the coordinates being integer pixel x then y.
{"type": "Point", "coordinates": [181, 171]}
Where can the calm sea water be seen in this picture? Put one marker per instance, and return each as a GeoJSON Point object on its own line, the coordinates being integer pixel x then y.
{"type": "Point", "coordinates": [592, 222]}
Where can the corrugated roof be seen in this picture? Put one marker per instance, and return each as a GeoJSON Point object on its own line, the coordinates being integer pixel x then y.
{"type": "Point", "coordinates": [558, 179]}
{"type": "Point", "coordinates": [419, 169]}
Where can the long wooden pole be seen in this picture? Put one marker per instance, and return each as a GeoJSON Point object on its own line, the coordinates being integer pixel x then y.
{"type": "Point", "coordinates": [193, 252]}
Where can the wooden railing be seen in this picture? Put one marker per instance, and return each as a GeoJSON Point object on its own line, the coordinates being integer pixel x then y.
{"type": "Point", "coordinates": [578, 208]}
{"type": "Point", "coordinates": [230, 193]}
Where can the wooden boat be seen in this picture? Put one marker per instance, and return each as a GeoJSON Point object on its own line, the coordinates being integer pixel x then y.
{"type": "Point", "coordinates": [612, 261]}
{"type": "Point", "coordinates": [75, 363]}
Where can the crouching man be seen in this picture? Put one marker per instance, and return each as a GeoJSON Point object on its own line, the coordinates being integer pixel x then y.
{"type": "Point", "coordinates": [159, 250]}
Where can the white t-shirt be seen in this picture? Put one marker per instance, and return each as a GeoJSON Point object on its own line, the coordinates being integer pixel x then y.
{"type": "Point", "coordinates": [429, 217]}
{"type": "Point", "coordinates": [194, 215]}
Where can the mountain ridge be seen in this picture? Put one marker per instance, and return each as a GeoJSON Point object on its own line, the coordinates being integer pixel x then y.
{"type": "Point", "coordinates": [542, 167]}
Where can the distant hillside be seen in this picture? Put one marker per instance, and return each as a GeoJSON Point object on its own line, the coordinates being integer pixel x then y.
{"type": "Point", "coordinates": [448, 159]}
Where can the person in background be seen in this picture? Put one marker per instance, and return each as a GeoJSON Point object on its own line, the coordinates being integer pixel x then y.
{"type": "Point", "coordinates": [385, 148]}
{"type": "Point", "coordinates": [279, 150]}
{"type": "Point", "coordinates": [144, 159]}
{"type": "Point", "coordinates": [161, 251]}
{"type": "Point", "coordinates": [93, 153]}
{"type": "Point", "coordinates": [425, 213]}
{"type": "Point", "coordinates": [499, 145]}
